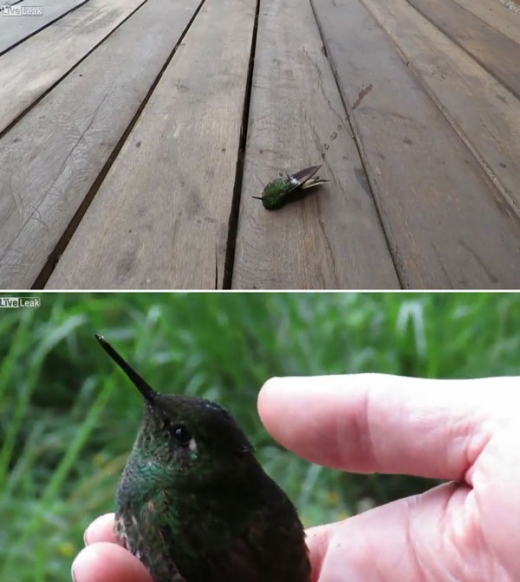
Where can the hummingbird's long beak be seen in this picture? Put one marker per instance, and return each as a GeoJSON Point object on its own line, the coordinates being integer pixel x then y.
{"type": "Point", "coordinates": [144, 388]}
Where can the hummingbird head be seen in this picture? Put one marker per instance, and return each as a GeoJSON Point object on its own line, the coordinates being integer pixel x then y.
{"type": "Point", "coordinates": [190, 436]}
{"type": "Point", "coordinates": [183, 438]}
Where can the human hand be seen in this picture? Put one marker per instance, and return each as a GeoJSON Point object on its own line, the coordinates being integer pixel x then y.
{"type": "Point", "coordinates": [465, 431]}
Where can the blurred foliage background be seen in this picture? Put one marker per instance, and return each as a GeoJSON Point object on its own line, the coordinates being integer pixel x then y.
{"type": "Point", "coordinates": [68, 416]}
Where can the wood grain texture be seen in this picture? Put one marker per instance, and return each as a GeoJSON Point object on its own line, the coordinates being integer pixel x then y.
{"type": "Point", "coordinates": [445, 222]}
{"type": "Point", "coordinates": [52, 157]}
{"type": "Point", "coordinates": [160, 218]}
{"type": "Point", "coordinates": [496, 15]}
{"type": "Point", "coordinates": [497, 53]}
{"type": "Point", "coordinates": [14, 29]}
{"type": "Point", "coordinates": [33, 67]}
{"type": "Point", "coordinates": [484, 113]}
{"type": "Point", "coordinates": [333, 238]}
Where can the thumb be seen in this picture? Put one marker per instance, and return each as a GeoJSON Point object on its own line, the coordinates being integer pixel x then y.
{"type": "Point", "coordinates": [402, 540]}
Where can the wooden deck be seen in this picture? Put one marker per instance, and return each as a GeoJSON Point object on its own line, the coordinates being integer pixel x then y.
{"type": "Point", "coordinates": [134, 133]}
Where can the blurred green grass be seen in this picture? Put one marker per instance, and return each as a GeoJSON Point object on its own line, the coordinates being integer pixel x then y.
{"type": "Point", "coordinates": [68, 416]}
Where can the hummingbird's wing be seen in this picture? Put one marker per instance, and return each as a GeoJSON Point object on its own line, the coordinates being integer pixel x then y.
{"type": "Point", "coordinates": [307, 179]}
{"type": "Point", "coordinates": [304, 175]}
{"type": "Point", "coordinates": [263, 554]}
{"type": "Point", "coordinates": [276, 545]}
{"type": "Point", "coordinates": [269, 546]}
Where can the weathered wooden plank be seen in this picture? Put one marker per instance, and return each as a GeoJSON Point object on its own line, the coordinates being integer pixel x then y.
{"type": "Point", "coordinates": [446, 225]}
{"type": "Point", "coordinates": [52, 157]}
{"type": "Point", "coordinates": [496, 15]}
{"type": "Point", "coordinates": [37, 64]}
{"type": "Point", "coordinates": [15, 28]}
{"type": "Point", "coordinates": [497, 53]}
{"type": "Point", "coordinates": [483, 112]}
{"type": "Point", "coordinates": [333, 238]}
{"type": "Point", "coordinates": [160, 219]}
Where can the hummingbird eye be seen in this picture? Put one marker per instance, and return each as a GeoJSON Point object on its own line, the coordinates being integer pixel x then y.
{"type": "Point", "coordinates": [182, 435]}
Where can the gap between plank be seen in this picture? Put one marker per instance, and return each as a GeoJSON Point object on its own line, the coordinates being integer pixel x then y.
{"type": "Point", "coordinates": [359, 146]}
{"type": "Point", "coordinates": [501, 191]}
{"type": "Point", "coordinates": [49, 89]}
{"type": "Point", "coordinates": [473, 56]}
{"type": "Point", "coordinates": [42, 28]}
{"type": "Point", "coordinates": [60, 247]}
{"type": "Point", "coordinates": [239, 175]}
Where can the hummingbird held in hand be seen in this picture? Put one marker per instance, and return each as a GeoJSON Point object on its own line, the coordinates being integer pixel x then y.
{"type": "Point", "coordinates": [194, 504]}
{"type": "Point", "coordinates": [289, 187]}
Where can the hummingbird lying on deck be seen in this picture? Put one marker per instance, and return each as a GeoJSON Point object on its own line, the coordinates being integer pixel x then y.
{"type": "Point", "coordinates": [194, 504]}
{"type": "Point", "coordinates": [289, 187]}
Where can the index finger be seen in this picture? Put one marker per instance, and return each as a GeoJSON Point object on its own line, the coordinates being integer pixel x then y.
{"type": "Point", "coordinates": [370, 423]}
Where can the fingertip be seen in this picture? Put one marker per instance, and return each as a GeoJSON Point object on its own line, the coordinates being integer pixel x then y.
{"type": "Point", "coordinates": [277, 392]}
{"type": "Point", "coordinates": [292, 405]}
{"type": "Point", "coordinates": [275, 398]}
{"type": "Point", "coordinates": [106, 562]}
{"type": "Point", "coordinates": [265, 397]}
{"type": "Point", "coordinates": [317, 540]}
{"type": "Point", "coordinates": [100, 530]}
